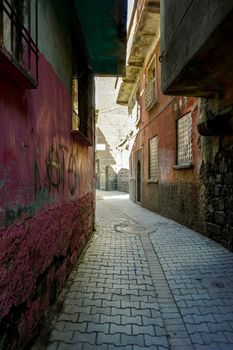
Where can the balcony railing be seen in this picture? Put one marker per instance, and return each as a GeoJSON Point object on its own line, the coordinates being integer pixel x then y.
{"type": "Point", "coordinates": [150, 94]}
{"type": "Point", "coordinates": [19, 53]}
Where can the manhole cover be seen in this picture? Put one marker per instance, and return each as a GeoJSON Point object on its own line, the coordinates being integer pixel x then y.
{"type": "Point", "coordinates": [216, 283]}
{"type": "Point", "coordinates": [134, 228]}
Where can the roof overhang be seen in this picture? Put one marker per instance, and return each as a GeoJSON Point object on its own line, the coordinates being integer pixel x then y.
{"type": "Point", "coordinates": [144, 29]}
{"type": "Point", "coordinates": [103, 24]}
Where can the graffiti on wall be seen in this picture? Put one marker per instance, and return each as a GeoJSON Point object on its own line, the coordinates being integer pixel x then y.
{"type": "Point", "coordinates": [57, 158]}
{"type": "Point", "coordinates": [56, 173]}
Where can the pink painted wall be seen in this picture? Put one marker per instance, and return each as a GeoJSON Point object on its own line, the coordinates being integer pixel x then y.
{"type": "Point", "coordinates": [46, 200]}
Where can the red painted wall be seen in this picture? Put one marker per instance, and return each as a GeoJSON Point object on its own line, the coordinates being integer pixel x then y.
{"type": "Point", "coordinates": [46, 200]}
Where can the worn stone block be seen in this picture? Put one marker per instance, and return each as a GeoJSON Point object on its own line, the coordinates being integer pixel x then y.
{"type": "Point", "coordinates": [223, 166]}
{"type": "Point", "coordinates": [228, 203]}
{"type": "Point", "coordinates": [213, 229]}
{"type": "Point", "coordinates": [220, 204]}
{"type": "Point", "coordinates": [218, 190]}
{"type": "Point", "coordinates": [229, 179]}
{"type": "Point", "coordinates": [219, 217]}
{"type": "Point", "coordinates": [219, 179]}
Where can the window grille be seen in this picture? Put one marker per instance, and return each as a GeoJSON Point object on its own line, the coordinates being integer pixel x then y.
{"type": "Point", "coordinates": [16, 30]}
{"type": "Point", "coordinates": [153, 158]}
{"type": "Point", "coordinates": [184, 140]}
{"type": "Point", "coordinates": [151, 89]}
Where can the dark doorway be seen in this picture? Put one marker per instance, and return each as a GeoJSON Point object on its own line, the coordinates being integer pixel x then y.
{"type": "Point", "coordinates": [138, 183]}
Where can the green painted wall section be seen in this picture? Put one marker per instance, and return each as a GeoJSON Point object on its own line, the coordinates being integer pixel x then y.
{"type": "Point", "coordinates": [54, 38]}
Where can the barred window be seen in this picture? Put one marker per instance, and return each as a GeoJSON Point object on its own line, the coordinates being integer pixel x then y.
{"type": "Point", "coordinates": [151, 88]}
{"type": "Point", "coordinates": [153, 158]}
{"type": "Point", "coordinates": [184, 140]}
{"type": "Point", "coordinates": [16, 42]}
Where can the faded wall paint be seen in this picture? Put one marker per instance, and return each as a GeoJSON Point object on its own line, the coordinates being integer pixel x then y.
{"type": "Point", "coordinates": [46, 198]}
{"type": "Point", "coordinates": [178, 192]}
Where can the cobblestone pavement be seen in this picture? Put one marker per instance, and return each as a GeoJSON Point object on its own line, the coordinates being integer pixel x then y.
{"type": "Point", "coordinates": [146, 282]}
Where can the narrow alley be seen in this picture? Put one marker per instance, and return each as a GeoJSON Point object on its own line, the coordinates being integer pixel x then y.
{"type": "Point", "coordinates": [145, 282]}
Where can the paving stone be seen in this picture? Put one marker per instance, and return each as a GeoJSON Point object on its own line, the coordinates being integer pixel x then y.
{"type": "Point", "coordinates": [94, 347]}
{"type": "Point", "coordinates": [118, 311]}
{"type": "Point", "coordinates": [132, 339]}
{"type": "Point", "coordinates": [84, 338]}
{"type": "Point", "coordinates": [103, 338]}
{"type": "Point", "coordinates": [156, 341]}
{"type": "Point", "coordinates": [114, 328]}
{"type": "Point", "coordinates": [135, 292]}
{"type": "Point", "coordinates": [52, 346]}
{"type": "Point", "coordinates": [61, 336]}
{"type": "Point", "coordinates": [63, 346]}
{"type": "Point", "coordinates": [131, 320]}
{"type": "Point", "coordinates": [71, 326]}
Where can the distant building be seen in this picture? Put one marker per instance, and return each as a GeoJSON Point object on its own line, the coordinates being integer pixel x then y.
{"type": "Point", "coordinates": [112, 159]}
{"type": "Point", "coordinates": [165, 158]}
{"type": "Point", "coordinates": [197, 60]}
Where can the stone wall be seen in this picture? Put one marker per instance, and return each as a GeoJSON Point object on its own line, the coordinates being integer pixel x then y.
{"type": "Point", "coordinates": [216, 172]}
{"type": "Point", "coordinates": [110, 178]}
{"type": "Point", "coordinates": [123, 180]}
{"type": "Point", "coordinates": [217, 176]}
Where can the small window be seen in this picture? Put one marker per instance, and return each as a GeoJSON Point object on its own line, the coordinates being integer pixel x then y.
{"type": "Point", "coordinates": [184, 140]}
{"type": "Point", "coordinates": [16, 42]}
{"type": "Point", "coordinates": [75, 114]}
{"type": "Point", "coordinates": [153, 159]}
{"type": "Point", "coordinates": [83, 115]}
{"type": "Point", "coordinates": [151, 87]}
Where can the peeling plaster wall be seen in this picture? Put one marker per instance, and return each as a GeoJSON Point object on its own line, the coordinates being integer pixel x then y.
{"type": "Point", "coordinates": [178, 193]}
{"type": "Point", "coordinates": [46, 195]}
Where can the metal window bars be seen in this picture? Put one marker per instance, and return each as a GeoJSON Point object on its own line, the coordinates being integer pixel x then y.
{"type": "Point", "coordinates": [16, 42]}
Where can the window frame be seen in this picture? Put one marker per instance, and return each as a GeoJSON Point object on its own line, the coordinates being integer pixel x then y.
{"type": "Point", "coordinates": [83, 118]}
{"type": "Point", "coordinates": [188, 163]}
{"type": "Point", "coordinates": [151, 84]}
{"type": "Point", "coordinates": [19, 53]}
{"type": "Point", "coordinates": [155, 178]}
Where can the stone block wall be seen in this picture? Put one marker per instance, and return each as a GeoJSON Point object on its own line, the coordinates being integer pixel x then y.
{"type": "Point", "coordinates": [217, 176]}
{"type": "Point", "coordinates": [123, 180]}
{"type": "Point", "coordinates": [110, 178]}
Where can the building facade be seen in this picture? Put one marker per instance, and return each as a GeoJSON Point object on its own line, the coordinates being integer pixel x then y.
{"type": "Point", "coordinates": [165, 158]}
{"type": "Point", "coordinates": [197, 60]}
{"type": "Point", "coordinates": [47, 104]}
{"type": "Point", "coordinates": [112, 159]}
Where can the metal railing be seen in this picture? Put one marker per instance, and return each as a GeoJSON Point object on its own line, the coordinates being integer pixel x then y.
{"type": "Point", "coordinates": [15, 39]}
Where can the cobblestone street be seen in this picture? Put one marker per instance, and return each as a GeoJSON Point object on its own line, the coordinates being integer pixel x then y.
{"type": "Point", "coordinates": [145, 282]}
